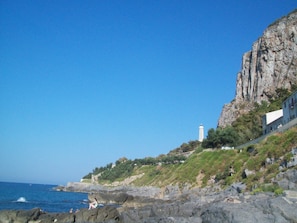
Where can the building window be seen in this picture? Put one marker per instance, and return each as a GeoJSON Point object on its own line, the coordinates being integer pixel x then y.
{"type": "Point", "coordinates": [292, 103]}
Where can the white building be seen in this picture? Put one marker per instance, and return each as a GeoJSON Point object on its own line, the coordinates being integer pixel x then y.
{"type": "Point", "coordinates": [290, 108]}
{"type": "Point", "coordinates": [201, 133]}
{"type": "Point", "coordinates": [272, 120]}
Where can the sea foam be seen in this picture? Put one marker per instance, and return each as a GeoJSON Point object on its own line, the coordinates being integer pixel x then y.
{"type": "Point", "coordinates": [22, 200]}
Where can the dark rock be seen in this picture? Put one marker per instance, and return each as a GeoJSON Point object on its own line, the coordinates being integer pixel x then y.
{"type": "Point", "coordinates": [287, 180]}
{"type": "Point", "coordinates": [197, 205]}
{"type": "Point", "coordinates": [111, 197]}
{"type": "Point", "coordinates": [264, 210]}
{"type": "Point", "coordinates": [237, 187]}
{"type": "Point", "coordinates": [251, 150]}
{"type": "Point", "coordinates": [31, 214]}
{"type": "Point", "coordinates": [8, 216]}
{"type": "Point", "coordinates": [166, 212]}
{"type": "Point", "coordinates": [224, 206]}
{"type": "Point", "coordinates": [104, 215]}
{"type": "Point", "coordinates": [24, 216]}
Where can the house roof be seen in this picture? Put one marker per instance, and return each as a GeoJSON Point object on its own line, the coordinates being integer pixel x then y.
{"type": "Point", "coordinates": [272, 116]}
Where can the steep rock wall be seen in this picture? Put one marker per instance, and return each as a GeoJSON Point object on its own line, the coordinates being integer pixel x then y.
{"type": "Point", "coordinates": [271, 64]}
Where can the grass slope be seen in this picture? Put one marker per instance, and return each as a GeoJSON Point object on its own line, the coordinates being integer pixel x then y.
{"type": "Point", "coordinates": [255, 166]}
{"type": "Point", "coordinates": [204, 167]}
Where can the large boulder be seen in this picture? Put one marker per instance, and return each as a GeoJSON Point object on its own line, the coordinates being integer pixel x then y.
{"type": "Point", "coordinates": [287, 180]}
{"type": "Point", "coordinates": [20, 216]}
{"type": "Point", "coordinates": [109, 197]}
{"type": "Point", "coordinates": [105, 214]}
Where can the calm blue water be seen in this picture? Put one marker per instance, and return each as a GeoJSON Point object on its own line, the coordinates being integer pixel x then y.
{"type": "Point", "coordinates": [22, 196]}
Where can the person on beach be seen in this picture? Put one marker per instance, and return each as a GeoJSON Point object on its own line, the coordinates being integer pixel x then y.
{"type": "Point", "coordinates": [93, 204]}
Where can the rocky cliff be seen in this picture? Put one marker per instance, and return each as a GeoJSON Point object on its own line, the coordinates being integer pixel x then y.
{"type": "Point", "coordinates": [271, 64]}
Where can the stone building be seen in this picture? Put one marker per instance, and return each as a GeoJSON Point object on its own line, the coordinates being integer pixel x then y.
{"type": "Point", "coordinates": [290, 108]}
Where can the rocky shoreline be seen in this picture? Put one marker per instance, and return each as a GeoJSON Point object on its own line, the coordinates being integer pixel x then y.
{"type": "Point", "coordinates": [172, 204]}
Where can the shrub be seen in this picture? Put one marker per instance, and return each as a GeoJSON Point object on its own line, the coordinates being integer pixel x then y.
{"type": "Point", "coordinates": [88, 176]}
{"type": "Point", "coordinates": [269, 188]}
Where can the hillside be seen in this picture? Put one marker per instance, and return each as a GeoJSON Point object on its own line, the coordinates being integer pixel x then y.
{"type": "Point", "coordinates": [255, 166]}
{"type": "Point", "coordinates": [267, 77]}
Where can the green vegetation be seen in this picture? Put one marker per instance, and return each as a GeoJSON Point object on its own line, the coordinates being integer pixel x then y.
{"type": "Point", "coordinates": [205, 167]}
{"type": "Point", "coordinates": [124, 167]}
{"type": "Point", "coordinates": [268, 188]}
{"type": "Point", "coordinates": [186, 147]}
{"type": "Point", "coordinates": [221, 137]}
{"type": "Point", "coordinates": [192, 164]}
{"type": "Point", "coordinates": [248, 126]}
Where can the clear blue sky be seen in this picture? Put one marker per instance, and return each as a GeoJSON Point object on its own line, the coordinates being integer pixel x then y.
{"type": "Point", "coordinates": [83, 83]}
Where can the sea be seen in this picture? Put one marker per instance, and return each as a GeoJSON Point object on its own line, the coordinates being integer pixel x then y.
{"type": "Point", "coordinates": [26, 196]}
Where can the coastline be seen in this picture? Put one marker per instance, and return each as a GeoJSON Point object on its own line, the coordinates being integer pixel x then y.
{"type": "Point", "coordinates": [172, 204]}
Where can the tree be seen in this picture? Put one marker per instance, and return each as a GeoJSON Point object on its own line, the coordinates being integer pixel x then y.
{"type": "Point", "coordinates": [121, 160]}
{"type": "Point", "coordinates": [210, 139]}
{"type": "Point", "coordinates": [221, 137]}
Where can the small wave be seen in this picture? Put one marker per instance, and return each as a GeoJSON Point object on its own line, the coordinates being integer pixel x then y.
{"type": "Point", "coordinates": [21, 200]}
{"type": "Point", "coordinates": [85, 201]}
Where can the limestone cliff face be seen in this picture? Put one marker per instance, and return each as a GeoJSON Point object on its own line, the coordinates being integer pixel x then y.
{"type": "Point", "coordinates": [271, 64]}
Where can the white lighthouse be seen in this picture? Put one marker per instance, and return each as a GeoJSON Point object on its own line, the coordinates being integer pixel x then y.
{"type": "Point", "coordinates": [201, 133]}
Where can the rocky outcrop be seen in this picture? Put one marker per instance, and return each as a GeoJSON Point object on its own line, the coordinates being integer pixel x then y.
{"type": "Point", "coordinates": [258, 208]}
{"type": "Point", "coordinates": [262, 209]}
{"type": "Point", "coordinates": [104, 215]}
{"type": "Point", "coordinates": [287, 180]}
{"type": "Point", "coordinates": [147, 191]}
{"type": "Point", "coordinates": [80, 187]}
{"type": "Point", "coordinates": [271, 64]}
{"type": "Point", "coordinates": [196, 205]}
